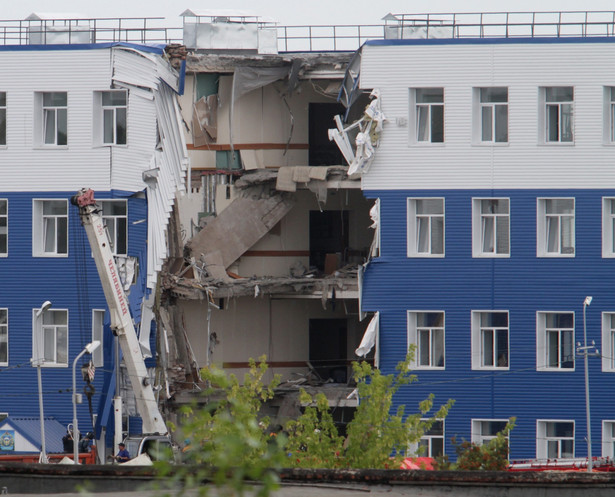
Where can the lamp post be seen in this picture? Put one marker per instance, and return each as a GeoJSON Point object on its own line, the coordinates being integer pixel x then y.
{"type": "Point", "coordinates": [89, 348]}
{"type": "Point", "coordinates": [39, 359]}
{"type": "Point", "coordinates": [586, 302]}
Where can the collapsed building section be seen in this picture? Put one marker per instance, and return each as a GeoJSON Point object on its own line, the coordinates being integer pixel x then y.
{"type": "Point", "coordinates": [268, 244]}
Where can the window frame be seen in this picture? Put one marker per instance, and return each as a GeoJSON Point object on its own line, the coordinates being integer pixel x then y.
{"type": "Point", "coordinates": [542, 342]}
{"type": "Point", "coordinates": [478, 362]}
{"type": "Point", "coordinates": [3, 117]}
{"type": "Point", "coordinates": [39, 231]}
{"type": "Point", "coordinates": [413, 225]}
{"type": "Point", "coordinates": [38, 338]}
{"type": "Point", "coordinates": [608, 227]}
{"type": "Point", "coordinates": [427, 438]}
{"type": "Point", "coordinates": [478, 228]}
{"type": "Point", "coordinates": [545, 112]}
{"type": "Point", "coordinates": [608, 341]}
{"type": "Point", "coordinates": [5, 229]}
{"type": "Point", "coordinates": [608, 439]}
{"type": "Point", "coordinates": [415, 115]}
{"type": "Point", "coordinates": [542, 227]}
{"type": "Point", "coordinates": [479, 106]}
{"type": "Point", "coordinates": [4, 334]}
{"type": "Point", "coordinates": [542, 440]}
{"type": "Point", "coordinates": [100, 116]}
{"type": "Point", "coordinates": [413, 339]}
{"type": "Point", "coordinates": [43, 110]}
{"type": "Point", "coordinates": [476, 432]}
{"type": "Point", "coordinates": [112, 219]}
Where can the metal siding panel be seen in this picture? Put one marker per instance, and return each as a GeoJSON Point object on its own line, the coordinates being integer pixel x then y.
{"type": "Point", "coordinates": [522, 284]}
{"type": "Point", "coordinates": [523, 68]}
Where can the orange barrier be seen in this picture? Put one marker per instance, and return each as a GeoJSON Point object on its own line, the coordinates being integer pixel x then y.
{"type": "Point", "coordinates": [84, 458]}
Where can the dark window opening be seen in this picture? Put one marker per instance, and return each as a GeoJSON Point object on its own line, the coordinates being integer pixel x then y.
{"type": "Point", "coordinates": [322, 151]}
{"type": "Point", "coordinates": [328, 240]}
{"type": "Point", "coordinates": [328, 349]}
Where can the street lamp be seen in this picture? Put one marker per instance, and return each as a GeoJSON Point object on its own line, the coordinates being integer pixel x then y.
{"type": "Point", "coordinates": [587, 302]}
{"type": "Point", "coordinates": [39, 359]}
{"type": "Point", "coordinates": [89, 348]}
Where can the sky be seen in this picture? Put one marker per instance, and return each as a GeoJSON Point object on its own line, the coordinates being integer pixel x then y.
{"type": "Point", "coordinates": [290, 12]}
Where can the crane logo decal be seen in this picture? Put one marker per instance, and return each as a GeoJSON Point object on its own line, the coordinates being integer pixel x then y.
{"type": "Point", "coordinates": [118, 287]}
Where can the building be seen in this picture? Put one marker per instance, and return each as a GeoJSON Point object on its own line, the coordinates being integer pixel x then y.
{"type": "Point", "coordinates": [79, 109]}
{"type": "Point", "coordinates": [274, 229]}
{"type": "Point", "coordinates": [495, 181]}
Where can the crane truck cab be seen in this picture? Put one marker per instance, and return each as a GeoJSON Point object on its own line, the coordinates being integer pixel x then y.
{"type": "Point", "coordinates": [157, 447]}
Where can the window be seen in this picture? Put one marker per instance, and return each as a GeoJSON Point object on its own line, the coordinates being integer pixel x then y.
{"type": "Point", "coordinates": [608, 227]}
{"type": "Point", "coordinates": [429, 115]}
{"type": "Point", "coordinates": [4, 227]}
{"type": "Point", "coordinates": [608, 439]}
{"type": "Point", "coordinates": [555, 341]}
{"type": "Point", "coordinates": [98, 319]}
{"type": "Point", "coordinates": [50, 228]}
{"type": "Point", "coordinates": [555, 227]}
{"type": "Point", "coordinates": [608, 341]}
{"type": "Point", "coordinates": [490, 340]}
{"type": "Point", "coordinates": [493, 112]}
{"type": "Point", "coordinates": [491, 227]}
{"type": "Point", "coordinates": [50, 333]}
{"type": "Point", "coordinates": [55, 121]}
{"type": "Point", "coordinates": [558, 116]}
{"type": "Point", "coordinates": [485, 430]}
{"type": "Point", "coordinates": [114, 109]}
{"type": "Point", "coordinates": [116, 219]}
{"type": "Point", "coordinates": [2, 118]}
{"type": "Point", "coordinates": [432, 441]}
{"type": "Point", "coordinates": [554, 439]}
{"type": "Point", "coordinates": [4, 336]}
{"type": "Point", "coordinates": [425, 227]}
{"type": "Point", "coordinates": [426, 333]}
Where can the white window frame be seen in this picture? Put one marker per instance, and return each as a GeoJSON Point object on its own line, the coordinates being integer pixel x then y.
{"type": "Point", "coordinates": [479, 219]}
{"type": "Point", "coordinates": [98, 332]}
{"type": "Point", "coordinates": [608, 342]}
{"type": "Point", "coordinates": [608, 438]}
{"type": "Point", "coordinates": [39, 222]}
{"type": "Point", "coordinates": [416, 108]}
{"type": "Point", "coordinates": [608, 227]}
{"type": "Point", "coordinates": [3, 111]}
{"type": "Point", "coordinates": [4, 334]}
{"type": "Point", "coordinates": [494, 110]}
{"type": "Point", "coordinates": [477, 430]}
{"type": "Point", "coordinates": [427, 440]}
{"type": "Point", "coordinates": [414, 223]}
{"type": "Point", "coordinates": [41, 330]}
{"type": "Point", "coordinates": [57, 114]}
{"type": "Point", "coordinates": [542, 440]}
{"type": "Point", "coordinates": [550, 105]}
{"type": "Point", "coordinates": [542, 342]}
{"type": "Point", "coordinates": [478, 356]}
{"type": "Point", "coordinates": [544, 222]}
{"type": "Point", "coordinates": [608, 132]}
{"type": "Point", "coordinates": [111, 223]}
{"type": "Point", "coordinates": [102, 112]}
{"type": "Point", "coordinates": [4, 230]}
{"type": "Point", "coordinates": [413, 339]}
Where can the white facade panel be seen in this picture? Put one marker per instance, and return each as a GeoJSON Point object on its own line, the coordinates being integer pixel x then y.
{"type": "Point", "coordinates": [21, 80]}
{"type": "Point", "coordinates": [525, 161]}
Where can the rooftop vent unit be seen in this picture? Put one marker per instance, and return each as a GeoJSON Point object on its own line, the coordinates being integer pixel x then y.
{"type": "Point", "coordinates": [58, 29]}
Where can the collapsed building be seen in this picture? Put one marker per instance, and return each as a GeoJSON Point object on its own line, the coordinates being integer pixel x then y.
{"type": "Point", "coordinates": [266, 247]}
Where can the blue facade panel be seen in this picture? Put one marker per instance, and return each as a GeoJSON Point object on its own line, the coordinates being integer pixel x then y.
{"type": "Point", "coordinates": [70, 283]}
{"type": "Point", "coordinates": [522, 284]}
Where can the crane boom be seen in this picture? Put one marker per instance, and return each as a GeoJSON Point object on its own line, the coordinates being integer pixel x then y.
{"type": "Point", "coordinates": [121, 320]}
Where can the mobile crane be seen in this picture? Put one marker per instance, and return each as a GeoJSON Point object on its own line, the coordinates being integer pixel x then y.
{"type": "Point", "coordinates": [121, 319]}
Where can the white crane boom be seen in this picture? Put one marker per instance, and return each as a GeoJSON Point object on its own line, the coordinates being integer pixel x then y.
{"type": "Point", "coordinates": [121, 320]}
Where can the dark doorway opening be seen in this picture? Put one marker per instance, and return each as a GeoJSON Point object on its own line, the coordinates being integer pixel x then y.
{"type": "Point", "coordinates": [328, 349]}
{"type": "Point", "coordinates": [322, 151]}
{"type": "Point", "coordinates": [328, 237]}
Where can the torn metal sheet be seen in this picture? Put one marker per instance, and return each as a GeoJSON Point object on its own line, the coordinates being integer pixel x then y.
{"type": "Point", "coordinates": [370, 337]}
{"type": "Point", "coordinates": [205, 121]}
{"type": "Point", "coordinates": [367, 139]}
{"type": "Point", "coordinates": [238, 227]}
